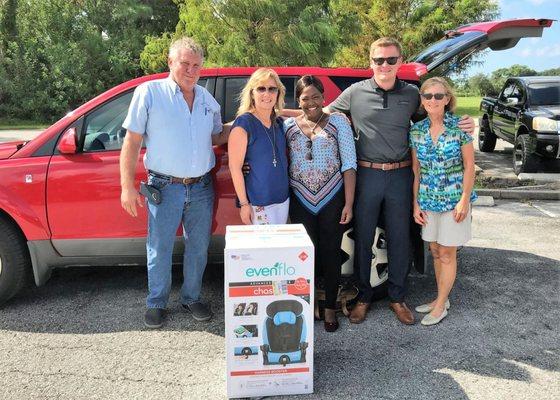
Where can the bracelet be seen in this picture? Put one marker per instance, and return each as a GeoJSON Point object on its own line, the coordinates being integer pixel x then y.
{"type": "Point", "coordinates": [245, 203]}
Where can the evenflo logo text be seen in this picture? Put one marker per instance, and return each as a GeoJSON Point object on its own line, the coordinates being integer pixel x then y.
{"type": "Point", "coordinates": [277, 269]}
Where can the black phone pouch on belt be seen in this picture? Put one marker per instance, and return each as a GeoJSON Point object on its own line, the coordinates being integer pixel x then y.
{"type": "Point", "coordinates": [151, 193]}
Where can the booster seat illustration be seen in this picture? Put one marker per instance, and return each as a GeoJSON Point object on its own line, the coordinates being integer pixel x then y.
{"type": "Point", "coordinates": [284, 333]}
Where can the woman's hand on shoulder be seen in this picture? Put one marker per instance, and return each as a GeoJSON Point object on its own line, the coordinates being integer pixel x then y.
{"type": "Point", "coordinates": [466, 124]}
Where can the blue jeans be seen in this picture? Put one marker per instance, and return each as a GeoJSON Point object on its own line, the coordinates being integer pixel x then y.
{"type": "Point", "coordinates": [192, 206]}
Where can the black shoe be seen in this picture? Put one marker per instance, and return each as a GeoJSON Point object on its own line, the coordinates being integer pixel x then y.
{"type": "Point", "coordinates": [200, 311]}
{"type": "Point", "coordinates": [153, 318]}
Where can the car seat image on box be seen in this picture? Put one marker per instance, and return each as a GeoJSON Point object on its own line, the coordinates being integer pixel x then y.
{"type": "Point", "coordinates": [284, 333]}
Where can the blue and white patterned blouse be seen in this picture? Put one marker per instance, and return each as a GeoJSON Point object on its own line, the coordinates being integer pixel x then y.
{"type": "Point", "coordinates": [316, 166]}
{"type": "Point", "coordinates": [441, 164]}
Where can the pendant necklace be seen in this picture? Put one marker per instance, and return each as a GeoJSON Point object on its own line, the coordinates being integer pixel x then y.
{"type": "Point", "coordinates": [272, 142]}
{"type": "Point", "coordinates": [314, 126]}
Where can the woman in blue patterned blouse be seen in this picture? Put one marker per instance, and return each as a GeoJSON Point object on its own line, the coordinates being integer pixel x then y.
{"type": "Point", "coordinates": [322, 172]}
{"type": "Point", "coordinates": [443, 165]}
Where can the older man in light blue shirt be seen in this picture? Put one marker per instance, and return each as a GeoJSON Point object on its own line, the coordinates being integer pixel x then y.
{"type": "Point", "coordinates": [179, 122]}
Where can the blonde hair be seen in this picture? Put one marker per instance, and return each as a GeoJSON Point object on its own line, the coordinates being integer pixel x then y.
{"type": "Point", "coordinates": [436, 80]}
{"type": "Point", "coordinates": [188, 43]}
{"type": "Point", "coordinates": [246, 100]}
{"type": "Point", "coordinates": [385, 42]}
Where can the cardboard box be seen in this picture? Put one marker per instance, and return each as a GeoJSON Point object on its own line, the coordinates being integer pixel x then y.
{"type": "Point", "coordinates": [269, 281]}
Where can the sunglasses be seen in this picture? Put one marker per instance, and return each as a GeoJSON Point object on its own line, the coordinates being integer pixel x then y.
{"type": "Point", "coordinates": [270, 89]}
{"type": "Point", "coordinates": [438, 96]}
{"type": "Point", "coordinates": [381, 60]}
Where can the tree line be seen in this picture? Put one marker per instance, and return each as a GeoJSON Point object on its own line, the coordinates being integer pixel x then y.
{"type": "Point", "coordinates": [483, 84]}
{"type": "Point", "coordinates": [56, 54]}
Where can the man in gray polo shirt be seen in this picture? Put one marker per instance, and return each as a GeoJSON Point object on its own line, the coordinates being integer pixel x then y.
{"type": "Point", "coordinates": [381, 109]}
{"type": "Point", "coordinates": [178, 121]}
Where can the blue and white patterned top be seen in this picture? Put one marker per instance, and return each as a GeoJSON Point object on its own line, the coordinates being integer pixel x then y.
{"type": "Point", "coordinates": [316, 166]}
{"type": "Point", "coordinates": [441, 164]}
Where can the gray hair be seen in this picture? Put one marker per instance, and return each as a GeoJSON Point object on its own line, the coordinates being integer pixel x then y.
{"type": "Point", "coordinates": [188, 43]}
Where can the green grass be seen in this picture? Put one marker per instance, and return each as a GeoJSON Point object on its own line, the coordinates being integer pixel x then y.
{"type": "Point", "coordinates": [21, 124]}
{"type": "Point", "coordinates": [469, 106]}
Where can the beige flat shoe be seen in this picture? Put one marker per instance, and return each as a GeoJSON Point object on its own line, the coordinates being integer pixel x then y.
{"type": "Point", "coordinates": [429, 320]}
{"type": "Point", "coordinates": [426, 308]}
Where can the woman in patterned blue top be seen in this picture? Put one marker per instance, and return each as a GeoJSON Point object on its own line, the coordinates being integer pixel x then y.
{"type": "Point", "coordinates": [322, 173]}
{"type": "Point", "coordinates": [443, 165]}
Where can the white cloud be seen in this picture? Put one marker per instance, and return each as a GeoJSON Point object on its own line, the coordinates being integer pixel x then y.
{"type": "Point", "coordinates": [544, 52]}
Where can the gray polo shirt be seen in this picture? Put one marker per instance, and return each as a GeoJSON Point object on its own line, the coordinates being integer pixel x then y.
{"type": "Point", "coordinates": [381, 118]}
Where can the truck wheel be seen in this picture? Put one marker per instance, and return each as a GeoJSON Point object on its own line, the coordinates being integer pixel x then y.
{"type": "Point", "coordinates": [14, 261]}
{"type": "Point", "coordinates": [523, 158]}
{"type": "Point", "coordinates": [486, 138]}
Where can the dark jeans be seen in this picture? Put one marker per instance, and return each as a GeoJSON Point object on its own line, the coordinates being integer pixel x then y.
{"type": "Point", "coordinates": [325, 231]}
{"type": "Point", "coordinates": [389, 192]}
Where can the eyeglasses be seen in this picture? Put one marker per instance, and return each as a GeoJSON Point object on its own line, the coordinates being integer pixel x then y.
{"type": "Point", "coordinates": [381, 60]}
{"type": "Point", "coordinates": [270, 89]}
{"type": "Point", "coordinates": [438, 96]}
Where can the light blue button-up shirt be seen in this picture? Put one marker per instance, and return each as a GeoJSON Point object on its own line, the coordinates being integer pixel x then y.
{"type": "Point", "coordinates": [178, 140]}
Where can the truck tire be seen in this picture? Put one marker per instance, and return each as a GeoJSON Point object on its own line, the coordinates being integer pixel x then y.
{"type": "Point", "coordinates": [523, 158]}
{"type": "Point", "coordinates": [14, 260]}
{"type": "Point", "coordinates": [486, 138]}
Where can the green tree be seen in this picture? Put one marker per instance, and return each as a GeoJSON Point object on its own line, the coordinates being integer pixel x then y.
{"type": "Point", "coordinates": [415, 23]}
{"type": "Point", "coordinates": [481, 85]}
{"type": "Point", "coordinates": [71, 50]}
{"type": "Point", "coordinates": [500, 75]}
{"type": "Point", "coordinates": [252, 32]}
{"type": "Point", "coordinates": [550, 72]}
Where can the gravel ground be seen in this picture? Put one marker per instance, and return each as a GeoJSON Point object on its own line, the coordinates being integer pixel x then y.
{"type": "Point", "coordinates": [81, 336]}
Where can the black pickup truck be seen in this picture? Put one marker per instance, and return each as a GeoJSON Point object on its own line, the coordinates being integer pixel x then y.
{"type": "Point", "coordinates": [527, 115]}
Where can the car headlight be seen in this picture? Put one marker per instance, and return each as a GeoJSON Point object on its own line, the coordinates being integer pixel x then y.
{"type": "Point", "coordinates": [543, 124]}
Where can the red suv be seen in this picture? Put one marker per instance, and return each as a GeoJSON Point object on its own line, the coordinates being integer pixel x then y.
{"type": "Point", "coordinates": [60, 193]}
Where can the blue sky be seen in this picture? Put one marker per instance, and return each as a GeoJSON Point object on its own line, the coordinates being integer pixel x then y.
{"type": "Point", "coordinates": [538, 53]}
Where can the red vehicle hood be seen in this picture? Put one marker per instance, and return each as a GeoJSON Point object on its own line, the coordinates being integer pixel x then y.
{"type": "Point", "coordinates": [9, 148]}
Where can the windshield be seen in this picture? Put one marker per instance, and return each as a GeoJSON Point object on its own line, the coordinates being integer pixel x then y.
{"type": "Point", "coordinates": [545, 94]}
{"type": "Point", "coordinates": [447, 46]}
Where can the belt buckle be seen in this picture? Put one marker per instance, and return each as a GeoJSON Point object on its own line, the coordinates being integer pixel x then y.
{"type": "Point", "coordinates": [383, 167]}
{"type": "Point", "coordinates": [186, 181]}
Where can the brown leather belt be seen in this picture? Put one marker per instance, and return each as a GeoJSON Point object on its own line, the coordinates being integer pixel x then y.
{"type": "Point", "coordinates": [385, 166]}
{"type": "Point", "coordinates": [174, 179]}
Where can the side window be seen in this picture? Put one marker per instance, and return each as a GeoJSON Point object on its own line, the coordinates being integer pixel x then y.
{"type": "Point", "coordinates": [202, 82]}
{"type": "Point", "coordinates": [103, 126]}
{"type": "Point", "coordinates": [507, 92]}
{"type": "Point", "coordinates": [290, 98]}
{"type": "Point", "coordinates": [233, 87]}
{"type": "Point", "coordinates": [343, 82]}
{"type": "Point", "coordinates": [518, 93]}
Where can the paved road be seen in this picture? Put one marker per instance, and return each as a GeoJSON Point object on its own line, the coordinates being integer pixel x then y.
{"type": "Point", "coordinates": [81, 335]}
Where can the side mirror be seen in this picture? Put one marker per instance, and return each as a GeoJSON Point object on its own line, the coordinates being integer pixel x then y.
{"type": "Point", "coordinates": [67, 143]}
{"type": "Point", "coordinates": [511, 101]}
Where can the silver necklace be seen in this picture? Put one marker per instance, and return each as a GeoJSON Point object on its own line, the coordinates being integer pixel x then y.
{"type": "Point", "coordinates": [316, 123]}
{"type": "Point", "coordinates": [272, 141]}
